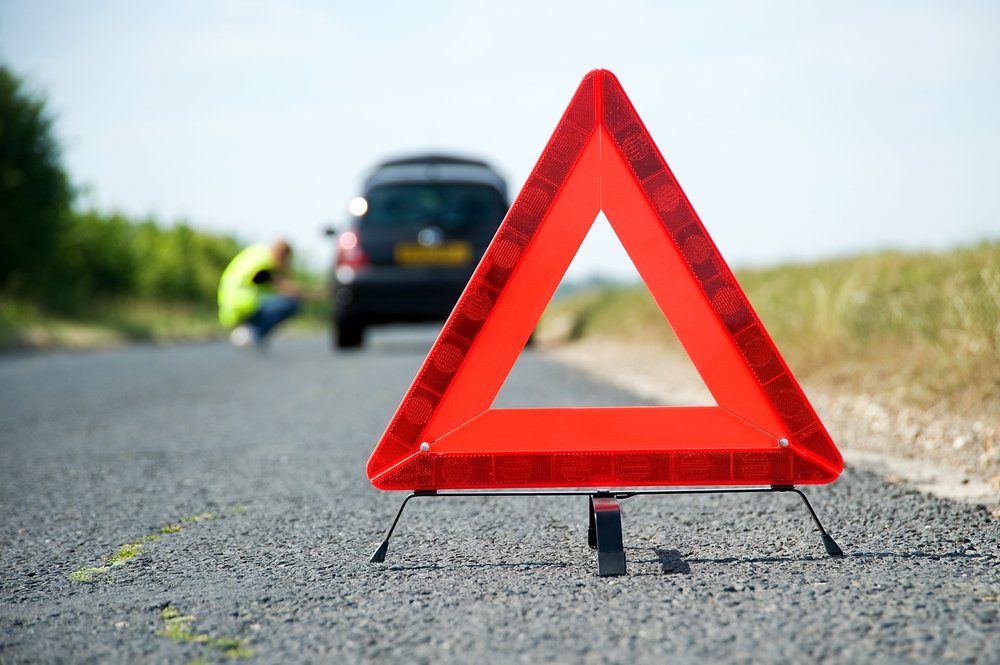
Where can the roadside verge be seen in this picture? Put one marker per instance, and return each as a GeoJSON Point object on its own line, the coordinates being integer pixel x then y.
{"type": "Point", "coordinates": [945, 455]}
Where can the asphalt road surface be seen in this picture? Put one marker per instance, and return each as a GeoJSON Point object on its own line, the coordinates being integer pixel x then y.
{"type": "Point", "coordinates": [194, 503]}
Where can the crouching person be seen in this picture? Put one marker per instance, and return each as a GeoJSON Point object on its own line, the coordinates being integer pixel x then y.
{"type": "Point", "coordinates": [256, 294]}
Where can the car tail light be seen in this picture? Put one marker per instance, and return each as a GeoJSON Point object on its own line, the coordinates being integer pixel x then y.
{"type": "Point", "coordinates": [349, 252]}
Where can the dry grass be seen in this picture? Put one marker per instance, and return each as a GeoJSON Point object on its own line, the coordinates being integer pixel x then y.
{"type": "Point", "coordinates": [921, 329]}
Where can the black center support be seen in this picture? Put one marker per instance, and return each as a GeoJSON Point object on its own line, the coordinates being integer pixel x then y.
{"type": "Point", "coordinates": [605, 532]}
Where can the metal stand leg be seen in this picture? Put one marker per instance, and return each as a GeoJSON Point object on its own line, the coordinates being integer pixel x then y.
{"type": "Point", "coordinates": [831, 546]}
{"type": "Point", "coordinates": [379, 555]}
{"type": "Point", "coordinates": [605, 525]}
{"type": "Point", "coordinates": [606, 518]}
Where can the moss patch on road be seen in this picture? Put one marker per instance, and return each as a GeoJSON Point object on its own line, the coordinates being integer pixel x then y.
{"type": "Point", "coordinates": [178, 626]}
{"type": "Point", "coordinates": [125, 552]}
{"type": "Point", "coordinates": [95, 574]}
{"type": "Point", "coordinates": [134, 548]}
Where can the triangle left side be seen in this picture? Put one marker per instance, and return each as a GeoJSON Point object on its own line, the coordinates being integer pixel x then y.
{"type": "Point", "coordinates": [508, 291]}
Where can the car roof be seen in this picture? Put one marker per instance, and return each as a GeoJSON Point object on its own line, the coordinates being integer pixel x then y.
{"type": "Point", "coordinates": [435, 167]}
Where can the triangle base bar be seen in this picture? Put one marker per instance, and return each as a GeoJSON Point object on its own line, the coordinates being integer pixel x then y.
{"type": "Point", "coordinates": [623, 468]}
{"type": "Point", "coordinates": [605, 527]}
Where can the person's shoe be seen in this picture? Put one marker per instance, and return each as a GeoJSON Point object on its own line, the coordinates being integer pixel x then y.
{"type": "Point", "coordinates": [242, 337]}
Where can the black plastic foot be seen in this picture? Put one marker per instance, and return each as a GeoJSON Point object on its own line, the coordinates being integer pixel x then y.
{"type": "Point", "coordinates": [832, 548]}
{"type": "Point", "coordinates": [607, 516]}
{"type": "Point", "coordinates": [379, 556]}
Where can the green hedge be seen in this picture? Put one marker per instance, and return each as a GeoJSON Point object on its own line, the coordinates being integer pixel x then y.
{"type": "Point", "coordinates": [102, 255]}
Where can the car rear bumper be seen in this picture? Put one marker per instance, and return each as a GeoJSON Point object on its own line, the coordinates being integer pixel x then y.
{"type": "Point", "coordinates": [388, 295]}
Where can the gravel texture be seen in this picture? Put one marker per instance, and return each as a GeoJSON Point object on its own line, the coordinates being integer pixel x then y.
{"type": "Point", "coordinates": [249, 470]}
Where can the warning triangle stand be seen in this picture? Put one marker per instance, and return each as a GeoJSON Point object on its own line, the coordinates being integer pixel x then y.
{"type": "Point", "coordinates": [446, 438]}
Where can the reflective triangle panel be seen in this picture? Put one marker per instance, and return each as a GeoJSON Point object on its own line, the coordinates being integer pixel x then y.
{"type": "Point", "coordinates": [445, 435]}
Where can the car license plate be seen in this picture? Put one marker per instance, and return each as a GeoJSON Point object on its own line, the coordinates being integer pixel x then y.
{"type": "Point", "coordinates": [446, 254]}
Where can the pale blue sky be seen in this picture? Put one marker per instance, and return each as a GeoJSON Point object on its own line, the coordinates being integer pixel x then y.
{"type": "Point", "coordinates": [797, 129]}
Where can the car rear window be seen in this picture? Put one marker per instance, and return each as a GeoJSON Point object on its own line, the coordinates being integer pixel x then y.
{"type": "Point", "coordinates": [447, 205]}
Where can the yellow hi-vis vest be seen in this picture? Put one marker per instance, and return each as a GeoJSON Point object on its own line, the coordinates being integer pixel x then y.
{"type": "Point", "coordinates": [239, 297]}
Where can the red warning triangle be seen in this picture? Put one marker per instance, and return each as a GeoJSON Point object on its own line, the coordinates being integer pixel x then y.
{"type": "Point", "coordinates": [445, 435]}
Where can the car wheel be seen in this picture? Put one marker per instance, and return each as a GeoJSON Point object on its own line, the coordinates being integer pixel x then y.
{"type": "Point", "coordinates": [349, 334]}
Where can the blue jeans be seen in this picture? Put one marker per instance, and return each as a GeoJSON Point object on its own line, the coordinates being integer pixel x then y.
{"type": "Point", "coordinates": [272, 311]}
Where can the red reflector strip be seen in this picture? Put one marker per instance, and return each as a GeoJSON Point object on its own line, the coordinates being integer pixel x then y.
{"type": "Point", "coordinates": [598, 470]}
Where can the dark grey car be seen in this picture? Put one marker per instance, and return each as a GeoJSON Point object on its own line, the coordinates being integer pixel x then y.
{"type": "Point", "coordinates": [419, 229]}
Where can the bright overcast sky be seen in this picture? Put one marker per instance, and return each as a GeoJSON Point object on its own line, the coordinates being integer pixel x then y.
{"type": "Point", "coordinates": [798, 129]}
